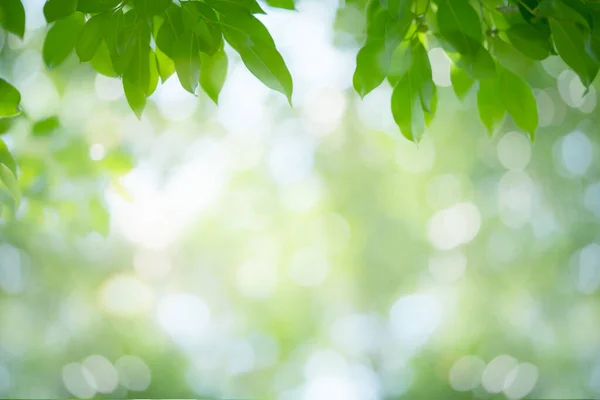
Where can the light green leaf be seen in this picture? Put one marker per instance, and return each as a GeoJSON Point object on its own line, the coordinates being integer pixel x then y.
{"type": "Point", "coordinates": [61, 38]}
{"type": "Point", "coordinates": [12, 17]}
{"type": "Point", "coordinates": [509, 57]}
{"type": "Point", "coordinates": [213, 73]}
{"type": "Point", "coordinates": [99, 217]}
{"type": "Point", "coordinates": [96, 6]}
{"type": "Point", "coordinates": [491, 108]}
{"type": "Point", "coordinates": [187, 61]}
{"type": "Point", "coordinates": [570, 43]}
{"type": "Point", "coordinates": [372, 64]}
{"type": "Point", "coordinates": [423, 77]}
{"type": "Point", "coordinates": [10, 181]}
{"type": "Point", "coordinates": [9, 100]}
{"type": "Point", "coordinates": [461, 81]}
{"type": "Point", "coordinates": [252, 41]}
{"type": "Point", "coordinates": [45, 127]}
{"type": "Point", "coordinates": [235, 6]}
{"type": "Point", "coordinates": [59, 9]}
{"type": "Point", "coordinates": [90, 37]}
{"type": "Point", "coordinates": [518, 99]}
{"type": "Point", "coordinates": [286, 4]}
{"type": "Point", "coordinates": [7, 159]}
{"type": "Point", "coordinates": [400, 62]}
{"type": "Point", "coordinates": [469, 55]}
{"type": "Point", "coordinates": [529, 41]}
{"type": "Point", "coordinates": [165, 66]}
{"type": "Point", "coordinates": [137, 78]}
{"type": "Point", "coordinates": [102, 62]}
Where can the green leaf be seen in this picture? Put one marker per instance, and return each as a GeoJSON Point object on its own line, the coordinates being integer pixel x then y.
{"type": "Point", "coordinates": [12, 17]}
{"type": "Point", "coordinates": [45, 127]}
{"type": "Point", "coordinates": [570, 43]}
{"type": "Point", "coordinates": [5, 125]}
{"type": "Point", "coordinates": [559, 11]}
{"type": "Point", "coordinates": [99, 217]}
{"type": "Point", "coordinates": [90, 37]}
{"type": "Point", "coordinates": [235, 6]}
{"type": "Point", "coordinates": [491, 108]}
{"type": "Point", "coordinates": [96, 6]}
{"type": "Point", "coordinates": [61, 38]}
{"type": "Point", "coordinates": [137, 82]}
{"type": "Point", "coordinates": [7, 159]}
{"type": "Point", "coordinates": [469, 55]}
{"type": "Point", "coordinates": [213, 73]}
{"type": "Point", "coordinates": [165, 66]}
{"type": "Point", "coordinates": [372, 64]}
{"type": "Point", "coordinates": [461, 81]}
{"type": "Point", "coordinates": [406, 107]}
{"type": "Point", "coordinates": [509, 57]}
{"type": "Point", "coordinates": [9, 100]}
{"type": "Point", "coordinates": [148, 8]}
{"type": "Point", "coordinates": [423, 77]}
{"type": "Point", "coordinates": [10, 181]}
{"type": "Point", "coordinates": [187, 61]}
{"type": "Point", "coordinates": [400, 62]}
{"type": "Point", "coordinates": [518, 99]}
{"type": "Point", "coordinates": [592, 45]}
{"type": "Point", "coordinates": [203, 21]}
{"type": "Point", "coordinates": [252, 41]}
{"type": "Point", "coordinates": [529, 41]}
{"type": "Point", "coordinates": [102, 62]}
{"type": "Point", "coordinates": [59, 9]}
{"type": "Point", "coordinates": [170, 30]}
{"type": "Point", "coordinates": [286, 4]}
{"type": "Point", "coordinates": [458, 19]}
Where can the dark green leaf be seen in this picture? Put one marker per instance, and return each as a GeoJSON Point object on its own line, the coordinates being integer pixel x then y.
{"type": "Point", "coordinates": [9, 99]}
{"type": "Point", "coordinates": [235, 6]}
{"type": "Point", "coordinates": [102, 62]}
{"type": "Point", "coordinates": [491, 108]}
{"type": "Point", "coordinates": [45, 127]}
{"type": "Point", "coordinates": [149, 8]}
{"type": "Point", "coordinates": [61, 38]}
{"type": "Point", "coordinates": [570, 43]}
{"type": "Point", "coordinates": [59, 9]}
{"type": "Point", "coordinates": [529, 41]}
{"type": "Point", "coordinates": [213, 73]}
{"type": "Point", "coordinates": [461, 81]}
{"type": "Point", "coordinates": [423, 76]}
{"type": "Point", "coordinates": [203, 21]}
{"type": "Point", "coordinates": [137, 82]}
{"type": "Point", "coordinates": [406, 107]}
{"type": "Point", "coordinates": [90, 37]}
{"type": "Point", "coordinates": [518, 99]}
{"type": "Point", "coordinates": [5, 125]}
{"type": "Point", "coordinates": [458, 19]}
{"type": "Point", "coordinates": [96, 6]}
{"type": "Point", "coordinates": [187, 61]}
{"type": "Point", "coordinates": [469, 55]}
{"type": "Point", "coordinates": [286, 4]}
{"type": "Point", "coordinates": [12, 17]}
{"type": "Point", "coordinates": [170, 30]}
{"type": "Point", "coordinates": [252, 41]}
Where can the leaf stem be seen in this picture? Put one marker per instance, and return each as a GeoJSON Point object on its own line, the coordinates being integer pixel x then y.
{"type": "Point", "coordinates": [525, 6]}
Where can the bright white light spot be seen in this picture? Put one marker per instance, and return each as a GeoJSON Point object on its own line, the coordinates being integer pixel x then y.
{"type": "Point", "coordinates": [97, 152]}
{"type": "Point", "coordinates": [309, 267]}
{"type": "Point", "coordinates": [108, 89]}
{"type": "Point", "coordinates": [174, 102]}
{"type": "Point", "coordinates": [240, 357]}
{"type": "Point", "coordinates": [325, 107]}
{"type": "Point", "coordinates": [151, 265]}
{"type": "Point", "coordinates": [5, 379]}
{"type": "Point", "coordinates": [591, 198]}
{"type": "Point", "coordinates": [184, 317]}
{"type": "Point", "coordinates": [302, 196]}
{"type": "Point", "coordinates": [515, 198]}
{"type": "Point", "coordinates": [125, 296]}
{"type": "Point", "coordinates": [443, 191]}
{"type": "Point", "coordinates": [520, 381]}
{"type": "Point", "coordinates": [100, 374]}
{"type": "Point", "coordinates": [496, 372]}
{"type": "Point", "coordinates": [577, 153]}
{"type": "Point", "coordinates": [466, 373]}
{"type": "Point", "coordinates": [74, 380]}
{"type": "Point", "coordinates": [257, 279]}
{"type": "Point", "coordinates": [324, 362]}
{"type": "Point", "coordinates": [514, 151]}
{"type": "Point", "coordinates": [330, 387]}
{"type": "Point", "coordinates": [414, 318]}
{"type": "Point", "coordinates": [11, 272]}
{"type": "Point", "coordinates": [357, 333]}
{"type": "Point", "coordinates": [374, 111]}
{"type": "Point", "coordinates": [40, 98]}
{"type": "Point", "coordinates": [448, 267]}
{"type": "Point", "coordinates": [440, 67]}
{"type": "Point", "coordinates": [266, 350]}
{"type": "Point", "coordinates": [415, 158]}
{"type": "Point", "coordinates": [133, 373]}
{"type": "Point", "coordinates": [454, 226]}
{"type": "Point", "coordinates": [589, 269]}
{"type": "Point", "coordinates": [26, 67]}
{"type": "Point", "coordinates": [291, 159]}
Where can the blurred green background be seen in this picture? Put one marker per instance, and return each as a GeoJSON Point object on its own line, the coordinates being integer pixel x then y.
{"type": "Point", "coordinates": [254, 250]}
